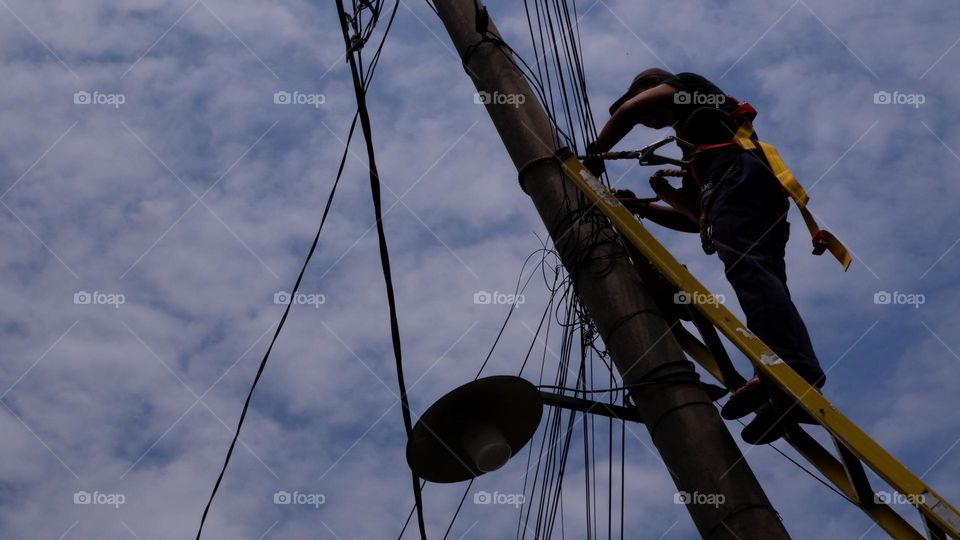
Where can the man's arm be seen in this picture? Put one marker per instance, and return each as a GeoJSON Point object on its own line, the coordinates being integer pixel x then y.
{"type": "Point", "coordinates": [682, 200]}
{"type": "Point", "coordinates": [631, 113]}
{"type": "Point", "coordinates": [664, 216]}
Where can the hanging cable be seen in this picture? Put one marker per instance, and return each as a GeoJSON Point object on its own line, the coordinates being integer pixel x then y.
{"type": "Point", "coordinates": [350, 43]}
{"type": "Point", "coordinates": [459, 506]}
{"type": "Point", "coordinates": [276, 334]}
{"type": "Point", "coordinates": [801, 467]}
{"type": "Point", "coordinates": [296, 286]}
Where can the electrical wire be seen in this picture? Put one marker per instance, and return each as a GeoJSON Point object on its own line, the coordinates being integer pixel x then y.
{"type": "Point", "coordinates": [283, 320]}
{"type": "Point", "coordinates": [802, 468]}
{"type": "Point", "coordinates": [359, 91]}
{"type": "Point", "coordinates": [296, 286]}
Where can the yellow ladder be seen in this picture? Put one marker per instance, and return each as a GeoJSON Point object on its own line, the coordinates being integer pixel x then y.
{"type": "Point", "coordinates": [855, 448]}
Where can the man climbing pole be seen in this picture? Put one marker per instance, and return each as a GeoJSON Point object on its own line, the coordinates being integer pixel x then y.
{"type": "Point", "coordinates": [735, 194]}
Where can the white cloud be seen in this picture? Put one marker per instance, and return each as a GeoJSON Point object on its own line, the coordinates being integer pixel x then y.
{"type": "Point", "coordinates": [200, 288]}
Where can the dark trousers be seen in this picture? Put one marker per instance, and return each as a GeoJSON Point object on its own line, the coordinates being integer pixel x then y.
{"type": "Point", "coordinates": [749, 230]}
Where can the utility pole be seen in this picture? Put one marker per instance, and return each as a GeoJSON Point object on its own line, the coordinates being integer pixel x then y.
{"type": "Point", "coordinates": [692, 440]}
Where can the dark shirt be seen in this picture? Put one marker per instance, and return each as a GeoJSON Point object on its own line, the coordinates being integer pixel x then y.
{"type": "Point", "coordinates": [700, 109]}
{"type": "Point", "coordinates": [702, 92]}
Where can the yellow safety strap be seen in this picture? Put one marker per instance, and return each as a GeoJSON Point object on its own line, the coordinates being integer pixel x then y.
{"type": "Point", "coordinates": [823, 240]}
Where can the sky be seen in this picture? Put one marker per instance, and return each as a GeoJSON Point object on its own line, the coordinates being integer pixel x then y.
{"type": "Point", "coordinates": [158, 197]}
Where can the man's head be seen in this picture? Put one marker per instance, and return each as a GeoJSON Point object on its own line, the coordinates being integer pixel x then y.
{"type": "Point", "coordinates": [645, 80]}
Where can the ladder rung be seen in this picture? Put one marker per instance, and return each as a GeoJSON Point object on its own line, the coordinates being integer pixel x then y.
{"type": "Point", "coordinates": [835, 472]}
{"type": "Point", "coordinates": [934, 532]}
{"type": "Point", "coordinates": [856, 474]}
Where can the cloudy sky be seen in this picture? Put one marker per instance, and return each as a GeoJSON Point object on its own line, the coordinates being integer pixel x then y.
{"type": "Point", "coordinates": [155, 200]}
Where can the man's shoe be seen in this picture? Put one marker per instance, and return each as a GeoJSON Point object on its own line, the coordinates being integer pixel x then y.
{"type": "Point", "coordinates": [767, 427]}
{"type": "Point", "coordinates": [745, 400]}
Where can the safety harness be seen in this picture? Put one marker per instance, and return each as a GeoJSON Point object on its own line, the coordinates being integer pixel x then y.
{"type": "Point", "coordinates": [745, 138]}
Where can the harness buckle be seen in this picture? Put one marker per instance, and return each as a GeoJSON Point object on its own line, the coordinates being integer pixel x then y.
{"type": "Point", "coordinates": [821, 241]}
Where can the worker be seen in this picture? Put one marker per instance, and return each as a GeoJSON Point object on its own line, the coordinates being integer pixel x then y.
{"type": "Point", "coordinates": [733, 199]}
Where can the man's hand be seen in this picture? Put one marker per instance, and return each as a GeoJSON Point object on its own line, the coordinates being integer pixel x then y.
{"type": "Point", "coordinates": [658, 181]}
{"type": "Point", "coordinates": [596, 166]}
{"type": "Point", "coordinates": [629, 199]}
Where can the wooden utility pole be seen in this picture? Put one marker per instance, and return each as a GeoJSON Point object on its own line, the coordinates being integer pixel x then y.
{"type": "Point", "coordinates": [696, 447]}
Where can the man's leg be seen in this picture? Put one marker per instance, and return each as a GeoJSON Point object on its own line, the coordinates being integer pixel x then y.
{"type": "Point", "coordinates": [750, 233]}
{"type": "Point", "coordinates": [771, 313]}
{"type": "Point", "coordinates": [750, 236]}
